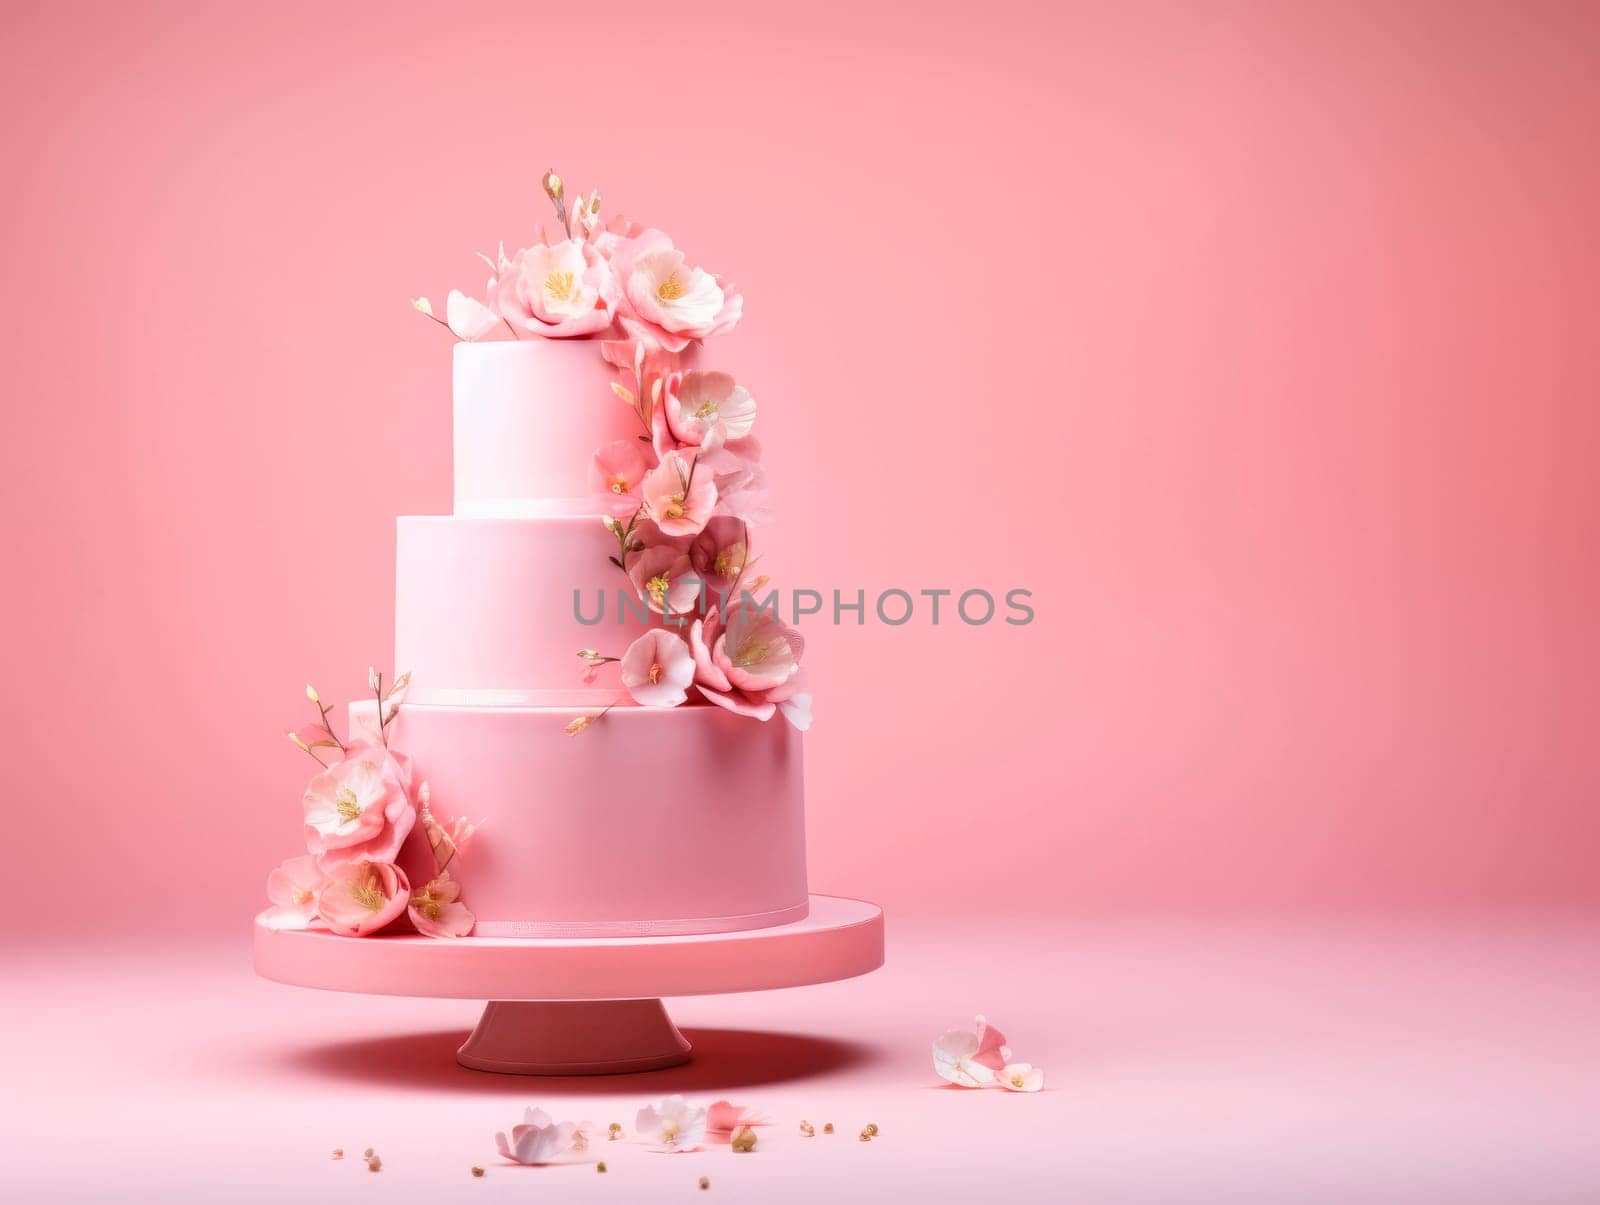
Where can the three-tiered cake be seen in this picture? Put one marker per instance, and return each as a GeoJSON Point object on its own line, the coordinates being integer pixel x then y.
{"type": "Point", "coordinates": [675, 820]}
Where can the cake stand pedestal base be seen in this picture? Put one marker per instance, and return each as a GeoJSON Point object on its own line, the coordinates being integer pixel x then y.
{"type": "Point", "coordinates": [573, 1037]}
{"type": "Point", "coordinates": [579, 1005]}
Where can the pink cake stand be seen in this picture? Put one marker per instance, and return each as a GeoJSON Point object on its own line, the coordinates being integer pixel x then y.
{"type": "Point", "coordinates": [580, 1006]}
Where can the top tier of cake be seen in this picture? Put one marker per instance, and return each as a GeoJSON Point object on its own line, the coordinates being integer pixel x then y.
{"type": "Point", "coordinates": [528, 416]}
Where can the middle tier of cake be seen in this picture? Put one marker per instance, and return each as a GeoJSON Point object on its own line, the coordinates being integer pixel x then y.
{"type": "Point", "coordinates": [492, 612]}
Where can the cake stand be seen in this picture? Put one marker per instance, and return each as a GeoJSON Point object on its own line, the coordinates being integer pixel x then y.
{"type": "Point", "coordinates": [580, 1006]}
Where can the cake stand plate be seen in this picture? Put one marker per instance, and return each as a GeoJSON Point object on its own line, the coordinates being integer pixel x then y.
{"type": "Point", "coordinates": [580, 1006]}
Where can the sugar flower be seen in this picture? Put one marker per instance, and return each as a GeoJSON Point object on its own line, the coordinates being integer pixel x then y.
{"type": "Point", "coordinates": [358, 808]}
{"type": "Point", "coordinates": [665, 579]}
{"type": "Point", "coordinates": [672, 1123]}
{"type": "Point", "coordinates": [751, 665]}
{"type": "Point", "coordinates": [437, 911]}
{"type": "Point", "coordinates": [617, 475]}
{"type": "Point", "coordinates": [724, 1119]}
{"type": "Point", "coordinates": [293, 888]}
{"type": "Point", "coordinates": [362, 897]}
{"type": "Point", "coordinates": [698, 403]}
{"type": "Point", "coordinates": [668, 301]}
{"type": "Point", "coordinates": [721, 553]}
{"type": "Point", "coordinates": [658, 669]}
{"type": "Point", "coordinates": [1020, 1077]}
{"type": "Point", "coordinates": [467, 317]}
{"type": "Point", "coordinates": [678, 498]}
{"type": "Point", "coordinates": [972, 1058]}
{"type": "Point", "coordinates": [537, 1140]}
{"type": "Point", "coordinates": [559, 291]}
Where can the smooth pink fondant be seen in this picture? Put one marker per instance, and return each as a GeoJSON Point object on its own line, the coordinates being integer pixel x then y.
{"type": "Point", "coordinates": [484, 608]}
{"type": "Point", "coordinates": [689, 820]}
{"type": "Point", "coordinates": [529, 416]}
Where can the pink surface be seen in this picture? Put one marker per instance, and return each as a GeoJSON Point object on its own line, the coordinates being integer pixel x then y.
{"type": "Point", "coordinates": [838, 939]}
{"type": "Point", "coordinates": [683, 821]}
{"type": "Point", "coordinates": [528, 416]}
{"type": "Point", "coordinates": [484, 609]}
{"type": "Point", "coordinates": [1255, 341]}
{"type": "Point", "coordinates": [1385, 1063]}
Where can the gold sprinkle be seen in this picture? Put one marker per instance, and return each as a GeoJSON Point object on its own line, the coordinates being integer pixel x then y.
{"type": "Point", "coordinates": [338, 1152]}
{"type": "Point", "coordinates": [670, 289]}
{"type": "Point", "coordinates": [477, 1173]}
{"type": "Point", "coordinates": [865, 1137]}
{"type": "Point", "coordinates": [705, 1181]}
{"type": "Point", "coordinates": [616, 1129]}
{"type": "Point", "coordinates": [744, 1139]}
{"type": "Point", "coordinates": [374, 1164]}
{"type": "Point", "coordinates": [601, 1166]}
{"type": "Point", "coordinates": [872, 1128]}
{"type": "Point", "coordinates": [807, 1129]}
{"type": "Point", "coordinates": [827, 1127]}
{"type": "Point", "coordinates": [367, 1154]}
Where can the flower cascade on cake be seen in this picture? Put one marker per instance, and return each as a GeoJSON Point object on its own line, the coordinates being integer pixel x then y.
{"type": "Point", "coordinates": [358, 812]}
{"type": "Point", "coordinates": [682, 496]}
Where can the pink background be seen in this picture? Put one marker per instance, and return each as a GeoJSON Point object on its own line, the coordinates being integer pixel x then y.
{"type": "Point", "coordinates": [1257, 342]}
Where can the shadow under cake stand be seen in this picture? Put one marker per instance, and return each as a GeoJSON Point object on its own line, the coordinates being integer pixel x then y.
{"type": "Point", "coordinates": [580, 1006]}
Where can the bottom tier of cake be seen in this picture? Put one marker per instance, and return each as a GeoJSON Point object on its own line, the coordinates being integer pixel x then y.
{"type": "Point", "coordinates": [650, 822]}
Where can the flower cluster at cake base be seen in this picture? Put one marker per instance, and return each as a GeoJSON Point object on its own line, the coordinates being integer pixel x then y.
{"type": "Point", "coordinates": [980, 1058]}
{"type": "Point", "coordinates": [681, 496]}
{"type": "Point", "coordinates": [358, 812]}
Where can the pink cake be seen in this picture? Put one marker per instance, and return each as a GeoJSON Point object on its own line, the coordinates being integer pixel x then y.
{"type": "Point", "coordinates": [654, 821]}
{"type": "Point", "coordinates": [594, 727]}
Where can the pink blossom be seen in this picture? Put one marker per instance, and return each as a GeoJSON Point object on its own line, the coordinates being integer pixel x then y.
{"type": "Point", "coordinates": [618, 474]}
{"type": "Point", "coordinates": [724, 1117]}
{"type": "Point", "coordinates": [539, 1139]}
{"type": "Point", "coordinates": [293, 888]}
{"type": "Point", "coordinates": [657, 669]}
{"type": "Point", "coordinates": [971, 1059]}
{"type": "Point", "coordinates": [678, 498]}
{"type": "Point", "coordinates": [665, 579]}
{"type": "Point", "coordinates": [359, 807]}
{"type": "Point", "coordinates": [721, 553]}
{"type": "Point", "coordinates": [559, 291]}
{"type": "Point", "coordinates": [666, 300]}
{"type": "Point", "coordinates": [697, 403]}
{"type": "Point", "coordinates": [1021, 1077]}
{"type": "Point", "coordinates": [672, 1123]}
{"type": "Point", "coordinates": [362, 897]}
{"type": "Point", "coordinates": [750, 666]}
{"type": "Point", "coordinates": [437, 911]}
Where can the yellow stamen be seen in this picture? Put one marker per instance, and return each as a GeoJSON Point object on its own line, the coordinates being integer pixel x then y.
{"type": "Point", "coordinates": [559, 286]}
{"type": "Point", "coordinates": [579, 724]}
{"type": "Point", "coordinates": [655, 673]}
{"type": "Point", "coordinates": [347, 803]}
{"type": "Point", "coordinates": [619, 484]}
{"type": "Point", "coordinates": [670, 289]}
{"type": "Point", "coordinates": [674, 507]}
{"type": "Point", "coordinates": [658, 588]}
{"type": "Point", "coordinates": [368, 894]}
{"type": "Point", "coordinates": [707, 409]}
